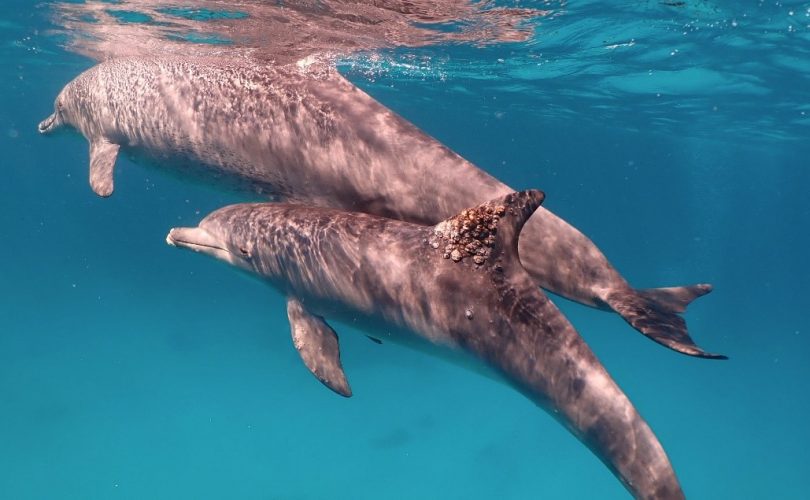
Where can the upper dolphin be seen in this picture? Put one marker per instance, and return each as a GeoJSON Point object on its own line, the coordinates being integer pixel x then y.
{"type": "Point", "coordinates": [457, 286]}
{"type": "Point", "coordinates": [311, 136]}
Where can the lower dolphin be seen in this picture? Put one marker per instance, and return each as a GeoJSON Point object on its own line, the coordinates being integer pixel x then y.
{"type": "Point", "coordinates": [315, 138]}
{"type": "Point", "coordinates": [456, 286]}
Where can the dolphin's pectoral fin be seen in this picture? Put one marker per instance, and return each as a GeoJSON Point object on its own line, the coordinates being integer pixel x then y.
{"type": "Point", "coordinates": [102, 162]}
{"type": "Point", "coordinates": [655, 314]}
{"type": "Point", "coordinates": [318, 346]}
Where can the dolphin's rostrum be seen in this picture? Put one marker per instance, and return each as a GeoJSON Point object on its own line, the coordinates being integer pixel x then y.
{"type": "Point", "coordinates": [455, 287]}
{"type": "Point", "coordinates": [311, 136]}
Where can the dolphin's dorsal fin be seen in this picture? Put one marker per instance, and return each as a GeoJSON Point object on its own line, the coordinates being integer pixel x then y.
{"type": "Point", "coordinates": [485, 233]}
{"type": "Point", "coordinates": [102, 162]}
{"type": "Point", "coordinates": [318, 346]}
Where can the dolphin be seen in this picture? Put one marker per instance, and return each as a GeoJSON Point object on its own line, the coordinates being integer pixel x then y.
{"type": "Point", "coordinates": [454, 288]}
{"type": "Point", "coordinates": [305, 134]}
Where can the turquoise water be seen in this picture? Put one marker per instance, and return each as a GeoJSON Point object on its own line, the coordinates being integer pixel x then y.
{"type": "Point", "coordinates": [675, 137]}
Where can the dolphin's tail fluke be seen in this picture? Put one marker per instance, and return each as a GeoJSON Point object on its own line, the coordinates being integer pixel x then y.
{"type": "Point", "coordinates": [655, 313]}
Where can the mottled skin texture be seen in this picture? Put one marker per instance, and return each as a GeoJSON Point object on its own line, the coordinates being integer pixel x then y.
{"type": "Point", "coordinates": [311, 136]}
{"type": "Point", "coordinates": [389, 278]}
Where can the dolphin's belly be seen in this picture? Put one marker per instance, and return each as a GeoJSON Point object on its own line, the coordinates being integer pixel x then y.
{"type": "Point", "coordinates": [225, 170]}
{"type": "Point", "coordinates": [387, 332]}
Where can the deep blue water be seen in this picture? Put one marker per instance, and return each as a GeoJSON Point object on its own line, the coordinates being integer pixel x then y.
{"type": "Point", "coordinates": [129, 369]}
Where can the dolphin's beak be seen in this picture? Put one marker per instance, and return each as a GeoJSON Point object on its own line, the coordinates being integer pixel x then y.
{"type": "Point", "coordinates": [47, 125]}
{"type": "Point", "coordinates": [195, 238]}
{"type": "Point", "coordinates": [200, 240]}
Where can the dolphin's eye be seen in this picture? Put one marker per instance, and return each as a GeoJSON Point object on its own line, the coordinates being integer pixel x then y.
{"type": "Point", "coordinates": [244, 251]}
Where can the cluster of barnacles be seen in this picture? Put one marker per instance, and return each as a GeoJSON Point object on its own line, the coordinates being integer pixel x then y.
{"type": "Point", "coordinates": [469, 234]}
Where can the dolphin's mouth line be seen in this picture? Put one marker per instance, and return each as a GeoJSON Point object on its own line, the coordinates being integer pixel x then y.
{"type": "Point", "coordinates": [47, 124]}
{"type": "Point", "coordinates": [198, 240]}
{"type": "Point", "coordinates": [197, 247]}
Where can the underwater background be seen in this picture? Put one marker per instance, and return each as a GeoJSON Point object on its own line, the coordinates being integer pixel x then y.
{"type": "Point", "coordinates": [673, 134]}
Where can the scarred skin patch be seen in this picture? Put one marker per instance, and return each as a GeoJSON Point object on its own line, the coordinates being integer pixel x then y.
{"type": "Point", "coordinates": [469, 234]}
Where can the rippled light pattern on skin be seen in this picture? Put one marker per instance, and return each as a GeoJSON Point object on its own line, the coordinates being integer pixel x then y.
{"type": "Point", "coordinates": [673, 134]}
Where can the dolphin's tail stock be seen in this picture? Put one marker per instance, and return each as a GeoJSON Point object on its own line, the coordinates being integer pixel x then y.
{"type": "Point", "coordinates": [655, 313]}
{"type": "Point", "coordinates": [550, 363]}
{"type": "Point", "coordinates": [588, 402]}
{"type": "Point", "coordinates": [535, 347]}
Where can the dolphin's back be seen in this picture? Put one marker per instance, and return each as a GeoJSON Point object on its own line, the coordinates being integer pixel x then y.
{"type": "Point", "coordinates": [247, 122]}
{"type": "Point", "coordinates": [492, 310]}
{"type": "Point", "coordinates": [524, 337]}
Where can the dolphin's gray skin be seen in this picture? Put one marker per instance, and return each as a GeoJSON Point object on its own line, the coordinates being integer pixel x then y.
{"type": "Point", "coordinates": [313, 137]}
{"type": "Point", "coordinates": [456, 286]}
